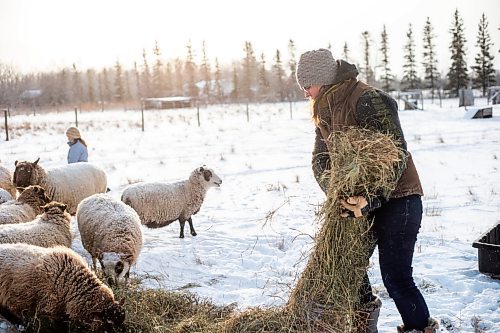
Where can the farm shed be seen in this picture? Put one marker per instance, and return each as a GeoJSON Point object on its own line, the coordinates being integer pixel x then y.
{"type": "Point", "coordinates": [168, 102]}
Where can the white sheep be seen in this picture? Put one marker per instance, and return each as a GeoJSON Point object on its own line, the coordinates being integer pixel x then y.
{"type": "Point", "coordinates": [54, 284]}
{"type": "Point", "coordinates": [6, 181]}
{"type": "Point", "coordinates": [49, 229]}
{"type": "Point", "coordinates": [69, 184]}
{"type": "Point", "coordinates": [111, 232]}
{"type": "Point", "coordinates": [4, 196]}
{"type": "Point", "coordinates": [159, 204]}
{"type": "Point", "coordinates": [26, 207]}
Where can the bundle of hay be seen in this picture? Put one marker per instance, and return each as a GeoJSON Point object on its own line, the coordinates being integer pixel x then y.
{"type": "Point", "coordinates": [327, 294]}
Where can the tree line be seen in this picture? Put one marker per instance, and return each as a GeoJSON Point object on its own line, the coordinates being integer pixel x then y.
{"type": "Point", "coordinates": [251, 78]}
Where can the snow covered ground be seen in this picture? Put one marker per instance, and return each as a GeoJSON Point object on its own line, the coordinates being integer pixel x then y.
{"type": "Point", "coordinates": [256, 230]}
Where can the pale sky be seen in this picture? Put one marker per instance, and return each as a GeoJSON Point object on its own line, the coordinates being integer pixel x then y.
{"type": "Point", "coordinates": [38, 35]}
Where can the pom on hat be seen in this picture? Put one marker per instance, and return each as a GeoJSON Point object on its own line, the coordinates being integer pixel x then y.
{"type": "Point", "coordinates": [316, 67]}
{"type": "Point", "coordinates": [73, 133]}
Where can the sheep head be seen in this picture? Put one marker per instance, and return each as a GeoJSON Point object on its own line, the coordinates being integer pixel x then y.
{"type": "Point", "coordinates": [209, 177]}
{"type": "Point", "coordinates": [34, 194]}
{"type": "Point", "coordinates": [54, 207]}
{"type": "Point", "coordinates": [106, 320]}
{"type": "Point", "coordinates": [116, 267]}
{"type": "Point", "coordinates": [25, 173]}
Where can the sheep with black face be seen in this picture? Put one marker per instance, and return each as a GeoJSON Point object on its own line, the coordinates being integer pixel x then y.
{"type": "Point", "coordinates": [111, 232]}
{"type": "Point", "coordinates": [159, 204]}
{"type": "Point", "coordinates": [69, 184]}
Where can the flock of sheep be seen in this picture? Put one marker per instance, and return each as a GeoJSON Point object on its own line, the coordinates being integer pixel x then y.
{"type": "Point", "coordinates": [36, 237]}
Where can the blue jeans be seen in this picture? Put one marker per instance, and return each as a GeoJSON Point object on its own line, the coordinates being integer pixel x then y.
{"type": "Point", "coordinates": [395, 229]}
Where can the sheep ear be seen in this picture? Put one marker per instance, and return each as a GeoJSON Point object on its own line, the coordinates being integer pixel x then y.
{"type": "Point", "coordinates": [15, 163]}
{"type": "Point", "coordinates": [36, 162]}
{"type": "Point", "coordinates": [201, 169]}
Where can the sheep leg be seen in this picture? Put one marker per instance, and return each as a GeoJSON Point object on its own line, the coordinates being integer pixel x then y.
{"type": "Point", "coordinates": [182, 222]}
{"type": "Point", "coordinates": [191, 228]}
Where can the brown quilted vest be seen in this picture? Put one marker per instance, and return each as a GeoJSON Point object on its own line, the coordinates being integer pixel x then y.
{"type": "Point", "coordinates": [340, 105]}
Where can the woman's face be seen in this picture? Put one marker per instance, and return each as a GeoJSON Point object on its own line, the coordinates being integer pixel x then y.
{"type": "Point", "coordinates": [70, 139]}
{"type": "Point", "coordinates": [312, 91]}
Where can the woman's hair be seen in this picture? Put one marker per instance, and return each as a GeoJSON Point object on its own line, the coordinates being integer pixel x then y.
{"type": "Point", "coordinates": [82, 141]}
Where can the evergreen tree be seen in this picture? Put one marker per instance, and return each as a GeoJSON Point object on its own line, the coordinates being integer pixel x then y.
{"type": "Point", "coordinates": [484, 71]}
{"type": "Point", "coordinates": [77, 87]}
{"type": "Point", "coordinates": [119, 90]}
{"type": "Point", "coordinates": [90, 86]}
{"type": "Point", "coordinates": [410, 78]}
{"type": "Point", "coordinates": [279, 75]}
{"type": "Point", "coordinates": [190, 68]}
{"type": "Point", "coordinates": [219, 92]}
{"type": "Point", "coordinates": [101, 90]}
{"type": "Point", "coordinates": [236, 85]}
{"type": "Point", "coordinates": [367, 70]}
{"type": "Point", "coordinates": [169, 78]}
{"type": "Point", "coordinates": [145, 76]}
{"type": "Point", "coordinates": [386, 77]}
{"type": "Point", "coordinates": [106, 87]}
{"type": "Point", "coordinates": [205, 70]}
{"type": "Point", "coordinates": [249, 67]}
{"type": "Point", "coordinates": [179, 77]}
{"type": "Point", "coordinates": [431, 73]}
{"type": "Point", "coordinates": [127, 92]}
{"type": "Point", "coordinates": [264, 84]}
{"type": "Point", "coordinates": [137, 75]}
{"type": "Point", "coordinates": [158, 84]}
{"type": "Point", "coordinates": [292, 87]}
{"type": "Point", "coordinates": [457, 76]}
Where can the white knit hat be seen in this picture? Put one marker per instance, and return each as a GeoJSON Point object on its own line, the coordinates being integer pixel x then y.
{"type": "Point", "coordinates": [316, 67]}
{"type": "Point", "coordinates": [73, 133]}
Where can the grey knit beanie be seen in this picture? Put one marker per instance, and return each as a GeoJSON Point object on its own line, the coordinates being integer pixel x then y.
{"type": "Point", "coordinates": [316, 67]}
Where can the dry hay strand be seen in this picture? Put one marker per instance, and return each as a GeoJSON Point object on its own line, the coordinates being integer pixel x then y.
{"type": "Point", "coordinates": [263, 320]}
{"type": "Point", "coordinates": [362, 164]}
{"type": "Point", "coordinates": [159, 310]}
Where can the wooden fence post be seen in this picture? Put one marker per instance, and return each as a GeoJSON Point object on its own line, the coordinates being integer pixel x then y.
{"type": "Point", "coordinates": [76, 116]}
{"type": "Point", "coordinates": [142, 115]}
{"type": "Point", "coordinates": [248, 114]}
{"type": "Point", "coordinates": [198, 112]}
{"type": "Point", "coordinates": [6, 125]}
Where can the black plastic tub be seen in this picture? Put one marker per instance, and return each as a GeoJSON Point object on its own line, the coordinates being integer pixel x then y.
{"type": "Point", "coordinates": [488, 255]}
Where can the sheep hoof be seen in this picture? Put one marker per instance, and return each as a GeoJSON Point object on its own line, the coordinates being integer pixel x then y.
{"type": "Point", "coordinates": [194, 233]}
{"type": "Point", "coordinates": [181, 236]}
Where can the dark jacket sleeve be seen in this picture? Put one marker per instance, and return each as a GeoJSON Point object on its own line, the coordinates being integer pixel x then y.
{"type": "Point", "coordinates": [320, 161]}
{"type": "Point", "coordinates": [378, 111]}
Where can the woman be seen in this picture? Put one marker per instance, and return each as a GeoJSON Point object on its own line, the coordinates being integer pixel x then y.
{"type": "Point", "coordinates": [339, 101]}
{"type": "Point", "coordinates": [77, 146]}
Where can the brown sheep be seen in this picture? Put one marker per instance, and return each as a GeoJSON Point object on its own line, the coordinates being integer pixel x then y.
{"type": "Point", "coordinates": [26, 207]}
{"type": "Point", "coordinates": [56, 285]}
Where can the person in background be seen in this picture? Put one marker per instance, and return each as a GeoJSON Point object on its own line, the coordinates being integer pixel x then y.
{"type": "Point", "coordinates": [339, 101]}
{"type": "Point", "coordinates": [77, 147]}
